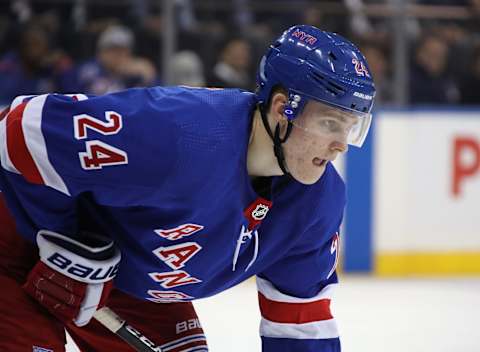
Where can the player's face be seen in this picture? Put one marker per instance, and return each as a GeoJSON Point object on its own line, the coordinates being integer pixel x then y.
{"type": "Point", "coordinates": [318, 136]}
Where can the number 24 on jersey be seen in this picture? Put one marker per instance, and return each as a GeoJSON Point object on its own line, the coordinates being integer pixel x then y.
{"type": "Point", "coordinates": [99, 154]}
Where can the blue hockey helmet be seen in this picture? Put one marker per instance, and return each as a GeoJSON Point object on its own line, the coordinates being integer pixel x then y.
{"type": "Point", "coordinates": [313, 64]}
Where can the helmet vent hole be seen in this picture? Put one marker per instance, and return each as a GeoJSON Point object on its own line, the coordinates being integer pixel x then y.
{"type": "Point", "coordinates": [332, 55]}
{"type": "Point", "coordinates": [318, 77]}
{"type": "Point", "coordinates": [331, 91]}
{"type": "Point", "coordinates": [336, 86]}
{"type": "Point", "coordinates": [328, 84]}
{"type": "Point", "coordinates": [353, 106]}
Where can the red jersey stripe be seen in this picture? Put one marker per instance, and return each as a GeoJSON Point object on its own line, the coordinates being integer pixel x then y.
{"type": "Point", "coordinates": [17, 148]}
{"type": "Point", "coordinates": [294, 313]}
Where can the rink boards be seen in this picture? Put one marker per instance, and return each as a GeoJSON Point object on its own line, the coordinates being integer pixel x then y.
{"type": "Point", "coordinates": [414, 195]}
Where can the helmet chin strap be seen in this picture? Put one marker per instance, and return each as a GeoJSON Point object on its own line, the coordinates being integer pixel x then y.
{"type": "Point", "coordinates": [277, 140]}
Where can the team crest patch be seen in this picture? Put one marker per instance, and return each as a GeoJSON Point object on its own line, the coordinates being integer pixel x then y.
{"type": "Point", "coordinates": [41, 349]}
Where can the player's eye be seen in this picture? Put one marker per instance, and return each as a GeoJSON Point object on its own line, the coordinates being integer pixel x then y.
{"type": "Point", "coordinates": [330, 125]}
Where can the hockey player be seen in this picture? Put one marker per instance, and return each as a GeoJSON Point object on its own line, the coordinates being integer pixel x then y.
{"type": "Point", "coordinates": [147, 199]}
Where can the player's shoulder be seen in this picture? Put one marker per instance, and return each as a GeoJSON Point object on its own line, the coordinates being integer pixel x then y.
{"type": "Point", "coordinates": [211, 100]}
{"type": "Point", "coordinates": [328, 195]}
{"type": "Point", "coordinates": [333, 188]}
{"type": "Point", "coordinates": [332, 181]}
{"type": "Point", "coordinates": [317, 205]}
{"type": "Point", "coordinates": [209, 113]}
{"type": "Point", "coordinates": [207, 118]}
{"type": "Point", "coordinates": [212, 128]}
{"type": "Point", "coordinates": [323, 205]}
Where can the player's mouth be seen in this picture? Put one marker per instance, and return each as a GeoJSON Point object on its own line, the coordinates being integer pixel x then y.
{"type": "Point", "coordinates": [319, 162]}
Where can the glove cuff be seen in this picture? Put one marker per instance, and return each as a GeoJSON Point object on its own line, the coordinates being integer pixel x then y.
{"type": "Point", "coordinates": [75, 266]}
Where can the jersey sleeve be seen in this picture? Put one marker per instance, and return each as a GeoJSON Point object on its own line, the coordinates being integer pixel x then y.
{"type": "Point", "coordinates": [56, 150]}
{"type": "Point", "coordinates": [295, 294]}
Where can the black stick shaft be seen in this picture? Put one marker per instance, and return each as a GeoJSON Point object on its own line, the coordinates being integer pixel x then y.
{"type": "Point", "coordinates": [130, 335]}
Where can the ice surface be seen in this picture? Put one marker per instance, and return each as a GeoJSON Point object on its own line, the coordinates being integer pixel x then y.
{"type": "Point", "coordinates": [374, 315]}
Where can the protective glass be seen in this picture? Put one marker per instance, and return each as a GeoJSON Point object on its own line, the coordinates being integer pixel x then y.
{"type": "Point", "coordinates": [350, 127]}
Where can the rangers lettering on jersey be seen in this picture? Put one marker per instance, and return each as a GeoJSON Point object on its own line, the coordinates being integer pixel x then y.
{"type": "Point", "coordinates": [167, 296]}
{"type": "Point", "coordinates": [174, 278]}
{"type": "Point", "coordinates": [177, 255]}
{"type": "Point", "coordinates": [179, 232]}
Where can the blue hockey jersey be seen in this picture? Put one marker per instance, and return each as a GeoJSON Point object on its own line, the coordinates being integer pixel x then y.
{"type": "Point", "coordinates": [162, 171]}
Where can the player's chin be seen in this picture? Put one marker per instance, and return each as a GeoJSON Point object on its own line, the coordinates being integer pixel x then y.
{"type": "Point", "coordinates": [310, 177]}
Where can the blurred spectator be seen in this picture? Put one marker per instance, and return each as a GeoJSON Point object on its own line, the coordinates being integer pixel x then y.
{"type": "Point", "coordinates": [475, 7]}
{"type": "Point", "coordinates": [443, 2]}
{"type": "Point", "coordinates": [470, 83]}
{"type": "Point", "coordinates": [233, 66]}
{"type": "Point", "coordinates": [429, 82]}
{"type": "Point", "coordinates": [473, 25]}
{"type": "Point", "coordinates": [359, 22]}
{"type": "Point", "coordinates": [314, 15]}
{"type": "Point", "coordinates": [115, 67]}
{"type": "Point", "coordinates": [187, 68]}
{"type": "Point", "coordinates": [34, 67]}
{"type": "Point", "coordinates": [379, 68]}
{"type": "Point", "coordinates": [77, 25]}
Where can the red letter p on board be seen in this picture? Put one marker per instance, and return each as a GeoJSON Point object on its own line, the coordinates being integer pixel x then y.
{"type": "Point", "coordinates": [466, 161]}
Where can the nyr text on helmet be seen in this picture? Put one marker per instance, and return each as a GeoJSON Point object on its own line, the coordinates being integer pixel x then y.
{"type": "Point", "coordinates": [304, 37]}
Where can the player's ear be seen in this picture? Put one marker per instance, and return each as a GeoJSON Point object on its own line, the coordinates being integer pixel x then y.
{"type": "Point", "coordinates": [277, 107]}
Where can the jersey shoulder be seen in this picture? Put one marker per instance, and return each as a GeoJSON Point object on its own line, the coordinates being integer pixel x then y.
{"type": "Point", "coordinates": [213, 129]}
{"type": "Point", "coordinates": [73, 142]}
{"type": "Point", "coordinates": [314, 211]}
{"type": "Point", "coordinates": [329, 194]}
{"type": "Point", "coordinates": [322, 207]}
{"type": "Point", "coordinates": [205, 111]}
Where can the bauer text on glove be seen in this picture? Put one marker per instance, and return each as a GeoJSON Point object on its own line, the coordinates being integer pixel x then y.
{"type": "Point", "coordinates": [73, 279]}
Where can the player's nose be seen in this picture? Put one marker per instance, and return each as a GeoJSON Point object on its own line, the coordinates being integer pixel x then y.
{"type": "Point", "coordinates": [338, 146]}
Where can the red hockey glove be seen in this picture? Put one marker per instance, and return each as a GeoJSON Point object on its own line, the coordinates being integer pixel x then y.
{"type": "Point", "coordinates": [72, 279]}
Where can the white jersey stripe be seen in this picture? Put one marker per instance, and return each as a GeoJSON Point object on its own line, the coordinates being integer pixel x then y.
{"type": "Point", "coordinates": [4, 158]}
{"type": "Point", "coordinates": [271, 293]}
{"type": "Point", "coordinates": [325, 329]}
{"type": "Point", "coordinates": [31, 125]}
{"type": "Point", "coordinates": [18, 100]}
{"type": "Point", "coordinates": [188, 338]}
{"type": "Point", "coordinates": [174, 347]}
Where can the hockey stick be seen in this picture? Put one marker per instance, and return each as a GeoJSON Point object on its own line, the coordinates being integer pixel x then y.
{"type": "Point", "coordinates": [118, 326]}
